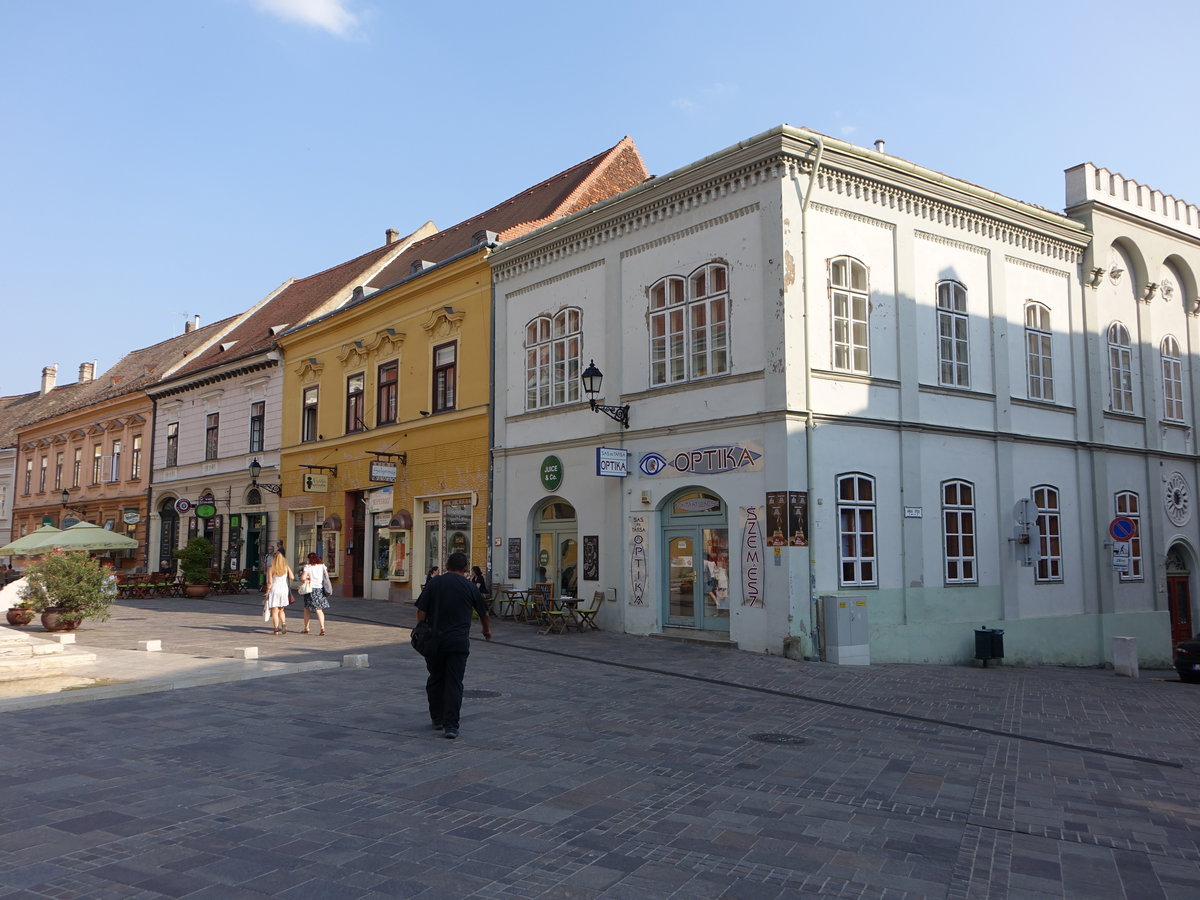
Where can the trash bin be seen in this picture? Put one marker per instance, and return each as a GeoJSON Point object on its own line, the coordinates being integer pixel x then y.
{"type": "Point", "coordinates": [989, 644]}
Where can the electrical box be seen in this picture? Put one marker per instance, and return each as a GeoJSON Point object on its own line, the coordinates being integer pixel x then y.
{"type": "Point", "coordinates": [847, 632]}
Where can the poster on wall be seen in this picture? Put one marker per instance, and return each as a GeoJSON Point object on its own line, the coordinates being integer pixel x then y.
{"type": "Point", "coordinates": [399, 565]}
{"type": "Point", "coordinates": [798, 518]}
{"type": "Point", "coordinates": [456, 515]}
{"type": "Point", "coordinates": [777, 518]}
{"type": "Point", "coordinates": [591, 557]}
{"type": "Point", "coordinates": [787, 519]}
{"type": "Point", "coordinates": [752, 556]}
{"type": "Point", "coordinates": [331, 541]}
{"type": "Point", "coordinates": [638, 568]}
{"type": "Point", "coordinates": [514, 558]}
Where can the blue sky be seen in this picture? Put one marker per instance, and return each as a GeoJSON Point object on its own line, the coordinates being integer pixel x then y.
{"type": "Point", "coordinates": [170, 159]}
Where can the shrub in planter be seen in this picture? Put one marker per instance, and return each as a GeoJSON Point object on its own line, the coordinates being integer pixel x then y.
{"type": "Point", "coordinates": [195, 559]}
{"type": "Point", "coordinates": [72, 583]}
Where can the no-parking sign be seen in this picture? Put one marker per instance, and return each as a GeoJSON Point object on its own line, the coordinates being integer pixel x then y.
{"type": "Point", "coordinates": [1121, 528]}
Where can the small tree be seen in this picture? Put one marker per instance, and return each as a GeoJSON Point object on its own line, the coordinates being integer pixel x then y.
{"type": "Point", "coordinates": [70, 581]}
{"type": "Point", "coordinates": [195, 559]}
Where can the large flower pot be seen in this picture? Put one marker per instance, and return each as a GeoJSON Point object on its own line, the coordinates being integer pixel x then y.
{"type": "Point", "coordinates": [20, 616]}
{"type": "Point", "coordinates": [60, 620]}
{"type": "Point", "coordinates": [196, 591]}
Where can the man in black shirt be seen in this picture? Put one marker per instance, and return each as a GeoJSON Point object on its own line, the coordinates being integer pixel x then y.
{"type": "Point", "coordinates": [448, 601]}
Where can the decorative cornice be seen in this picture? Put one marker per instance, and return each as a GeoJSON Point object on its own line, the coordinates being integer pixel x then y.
{"type": "Point", "coordinates": [352, 351]}
{"type": "Point", "coordinates": [385, 338]}
{"type": "Point", "coordinates": [191, 383]}
{"type": "Point", "coordinates": [950, 242]}
{"type": "Point", "coordinates": [1037, 267]}
{"type": "Point", "coordinates": [444, 319]}
{"type": "Point", "coordinates": [857, 217]}
{"type": "Point", "coordinates": [309, 368]}
{"type": "Point", "coordinates": [694, 229]}
{"type": "Point", "coordinates": [546, 282]}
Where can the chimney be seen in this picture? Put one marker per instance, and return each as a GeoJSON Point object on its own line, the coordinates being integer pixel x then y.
{"type": "Point", "coordinates": [391, 236]}
{"type": "Point", "coordinates": [879, 145]}
{"type": "Point", "coordinates": [87, 371]}
{"type": "Point", "coordinates": [191, 325]}
{"type": "Point", "coordinates": [49, 377]}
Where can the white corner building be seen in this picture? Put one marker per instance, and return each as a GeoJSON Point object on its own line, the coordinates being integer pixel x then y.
{"type": "Point", "coordinates": [873, 410]}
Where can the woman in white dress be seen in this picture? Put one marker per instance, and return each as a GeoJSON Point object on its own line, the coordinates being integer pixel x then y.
{"type": "Point", "coordinates": [278, 592]}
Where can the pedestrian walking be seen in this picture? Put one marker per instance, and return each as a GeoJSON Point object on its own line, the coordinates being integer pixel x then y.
{"type": "Point", "coordinates": [448, 601]}
{"type": "Point", "coordinates": [315, 588]}
{"type": "Point", "coordinates": [480, 582]}
{"type": "Point", "coordinates": [279, 592]}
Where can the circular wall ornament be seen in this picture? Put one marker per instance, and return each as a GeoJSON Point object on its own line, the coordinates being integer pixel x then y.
{"type": "Point", "coordinates": [1178, 497]}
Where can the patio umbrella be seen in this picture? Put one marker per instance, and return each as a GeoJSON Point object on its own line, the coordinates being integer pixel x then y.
{"type": "Point", "coordinates": [31, 544]}
{"type": "Point", "coordinates": [86, 536]}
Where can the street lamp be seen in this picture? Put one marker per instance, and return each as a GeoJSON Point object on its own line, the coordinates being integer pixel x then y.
{"type": "Point", "coordinates": [255, 471]}
{"type": "Point", "coordinates": [65, 497]}
{"type": "Point", "coordinates": [592, 377]}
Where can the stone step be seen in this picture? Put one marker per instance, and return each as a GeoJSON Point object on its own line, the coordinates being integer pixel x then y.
{"type": "Point", "coordinates": [16, 644]}
{"type": "Point", "coordinates": [699, 636]}
{"type": "Point", "coordinates": [44, 665]}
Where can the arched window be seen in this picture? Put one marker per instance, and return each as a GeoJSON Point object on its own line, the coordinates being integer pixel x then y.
{"type": "Point", "coordinates": [1049, 522]}
{"type": "Point", "coordinates": [958, 532]}
{"type": "Point", "coordinates": [552, 348]}
{"type": "Point", "coordinates": [849, 294]}
{"type": "Point", "coordinates": [1120, 369]}
{"type": "Point", "coordinates": [1172, 377]}
{"type": "Point", "coordinates": [953, 357]}
{"type": "Point", "coordinates": [856, 528]}
{"type": "Point", "coordinates": [1128, 504]}
{"type": "Point", "coordinates": [689, 325]}
{"type": "Point", "coordinates": [1039, 359]}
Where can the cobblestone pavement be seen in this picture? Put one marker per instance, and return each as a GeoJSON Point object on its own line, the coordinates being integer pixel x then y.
{"type": "Point", "coordinates": [590, 765]}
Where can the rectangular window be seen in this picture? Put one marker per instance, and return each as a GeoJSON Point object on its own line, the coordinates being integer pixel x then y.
{"type": "Point", "coordinates": [212, 425]}
{"type": "Point", "coordinates": [856, 526]}
{"type": "Point", "coordinates": [953, 360]}
{"type": "Point", "coordinates": [77, 467]}
{"type": "Point", "coordinates": [173, 444]}
{"type": "Point", "coordinates": [1049, 521]}
{"type": "Point", "coordinates": [354, 403]}
{"type": "Point", "coordinates": [1120, 369]}
{"type": "Point", "coordinates": [689, 326]}
{"type": "Point", "coordinates": [29, 475]}
{"type": "Point", "coordinates": [851, 308]}
{"type": "Point", "coordinates": [445, 366]}
{"type": "Point", "coordinates": [45, 468]}
{"type": "Point", "coordinates": [258, 418]}
{"type": "Point", "coordinates": [135, 458]}
{"type": "Point", "coordinates": [308, 415]}
{"type": "Point", "coordinates": [97, 463]}
{"type": "Point", "coordinates": [1172, 375]}
{"type": "Point", "coordinates": [1038, 359]}
{"type": "Point", "coordinates": [59, 460]}
{"type": "Point", "coordinates": [1128, 504]}
{"type": "Point", "coordinates": [114, 469]}
{"type": "Point", "coordinates": [386, 407]}
{"type": "Point", "coordinates": [958, 531]}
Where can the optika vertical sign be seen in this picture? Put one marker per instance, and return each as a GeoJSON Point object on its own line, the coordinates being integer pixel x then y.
{"type": "Point", "coordinates": [638, 528]}
{"type": "Point", "coordinates": [752, 557]}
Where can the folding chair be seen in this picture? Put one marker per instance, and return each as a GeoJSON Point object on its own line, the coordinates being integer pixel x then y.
{"type": "Point", "coordinates": [585, 616]}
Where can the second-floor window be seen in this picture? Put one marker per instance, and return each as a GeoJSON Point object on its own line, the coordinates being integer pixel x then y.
{"type": "Point", "coordinates": [173, 444]}
{"type": "Point", "coordinates": [114, 469]}
{"type": "Point", "coordinates": [258, 418]}
{"type": "Point", "coordinates": [135, 458]}
{"type": "Point", "coordinates": [552, 349]}
{"type": "Point", "coordinates": [77, 467]}
{"type": "Point", "coordinates": [97, 463]}
{"type": "Point", "coordinates": [1172, 377]}
{"type": "Point", "coordinates": [849, 294]}
{"type": "Point", "coordinates": [689, 325]}
{"type": "Point", "coordinates": [953, 360]}
{"type": "Point", "coordinates": [42, 474]}
{"type": "Point", "coordinates": [387, 402]}
{"type": "Point", "coordinates": [1039, 362]}
{"type": "Point", "coordinates": [29, 475]}
{"type": "Point", "coordinates": [354, 403]}
{"type": "Point", "coordinates": [1120, 369]}
{"type": "Point", "coordinates": [308, 414]}
{"type": "Point", "coordinates": [58, 471]}
{"type": "Point", "coordinates": [212, 429]}
{"type": "Point", "coordinates": [445, 376]}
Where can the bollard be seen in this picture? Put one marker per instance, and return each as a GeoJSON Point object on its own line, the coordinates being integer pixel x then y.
{"type": "Point", "coordinates": [1125, 656]}
{"type": "Point", "coordinates": [63, 638]}
{"type": "Point", "coordinates": [245, 653]}
{"type": "Point", "coordinates": [355, 661]}
{"type": "Point", "coordinates": [150, 646]}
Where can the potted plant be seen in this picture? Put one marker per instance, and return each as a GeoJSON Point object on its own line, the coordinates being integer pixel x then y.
{"type": "Point", "coordinates": [194, 560]}
{"type": "Point", "coordinates": [21, 613]}
{"type": "Point", "coordinates": [66, 588]}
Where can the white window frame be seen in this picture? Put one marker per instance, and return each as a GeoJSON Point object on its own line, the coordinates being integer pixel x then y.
{"type": "Point", "coordinates": [1128, 504]}
{"type": "Point", "coordinates": [857, 539]}
{"type": "Point", "coordinates": [114, 465]}
{"type": "Point", "coordinates": [1048, 569]}
{"type": "Point", "coordinates": [958, 533]}
{"type": "Point", "coordinates": [850, 308]}
{"type": "Point", "coordinates": [1039, 352]}
{"type": "Point", "coordinates": [1120, 369]}
{"type": "Point", "coordinates": [954, 369]}
{"type": "Point", "coordinates": [1172, 376]}
{"type": "Point", "coordinates": [553, 347]}
{"type": "Point", "coordinates": [688, 320]}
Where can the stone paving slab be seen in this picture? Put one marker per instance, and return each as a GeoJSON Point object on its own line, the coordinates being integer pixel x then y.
{"type": "Point", "coordinates": [595, 766]}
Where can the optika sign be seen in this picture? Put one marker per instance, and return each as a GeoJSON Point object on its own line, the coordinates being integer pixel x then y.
{"type": "Point", "coordinates": [703, 461]}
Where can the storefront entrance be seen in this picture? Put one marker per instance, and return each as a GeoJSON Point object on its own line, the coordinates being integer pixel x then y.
{"type": "Point", "coordinates": [696, 565]}
{"type": "Point", "coordinates": [556, 548]}
{"type": "Point", "coordinates": [1179, 595]}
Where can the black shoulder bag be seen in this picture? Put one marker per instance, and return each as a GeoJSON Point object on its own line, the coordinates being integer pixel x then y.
{"type": "Point", "coordinates": [424, 635]}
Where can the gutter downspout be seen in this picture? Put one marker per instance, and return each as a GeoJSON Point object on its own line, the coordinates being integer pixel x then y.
{"type": "Point", "coordinates": [491, 478]}
{"type": "Point", "coordinates": [150, 486]}
{"type": "Point", "coordinates": [810, 424]}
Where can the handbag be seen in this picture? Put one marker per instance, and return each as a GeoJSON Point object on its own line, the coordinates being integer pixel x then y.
{"type": "Point", "coordinates": [305, 587]}
{"type": "Point", "coordinates": [266, 613]}
{"type": "Point", "coordinates": [424, 639]}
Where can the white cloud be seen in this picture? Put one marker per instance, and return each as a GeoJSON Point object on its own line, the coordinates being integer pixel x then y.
{"type": "Point", "coordinates": [333, 16]}
{"type": "Point", "coordinates": [716, 94]}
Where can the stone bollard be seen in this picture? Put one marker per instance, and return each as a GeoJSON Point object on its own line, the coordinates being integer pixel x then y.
{"type": "Point", "coordinates": [1125, 656]}
{"type": "Point", "coordinates": [63, 638]}
{"type": "Point", "coordinates": [150, 646]}
{"type": "Point", "coordinates": [245, 653]}
{"type": "Point", "coordinates": [355, 661]}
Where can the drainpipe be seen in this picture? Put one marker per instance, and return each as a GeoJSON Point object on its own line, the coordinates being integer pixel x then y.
{"type": "Point", "coordinates": [810, 424]}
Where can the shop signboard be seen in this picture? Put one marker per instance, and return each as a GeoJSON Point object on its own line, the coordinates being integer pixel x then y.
{"type": "Point", "coordinates": [714, 459]}
{"type": "Point", "coordinates": [316, 482]}
{"type": "Point", "coordinates": [383, 471]}
{"type": "Point", "coordinates": [612, 462]}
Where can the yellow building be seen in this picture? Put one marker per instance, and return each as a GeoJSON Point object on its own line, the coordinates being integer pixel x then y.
{"type": "Point", "coordinates": [384, 461]}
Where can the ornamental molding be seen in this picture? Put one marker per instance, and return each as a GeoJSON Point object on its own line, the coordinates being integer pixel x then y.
{"type": "Point", "coordinates": [445, 321]}
{"type": "Point", "coordinates": [546, 282]}
{"type": "Point", "coordinates": [351, 353]}
{"type": "Point", "coordinates": [386, 339]}
{"type": "Point", "coordinates": [1037, 267]}
{"type": "Point", "coordinates": [309, 369]}
{"type": "Point", "coordinates": [856, 217]}
{"type": "Point", "coordinates": [694, 229]}
{"type": "Point", "coordinates": [950, 242]}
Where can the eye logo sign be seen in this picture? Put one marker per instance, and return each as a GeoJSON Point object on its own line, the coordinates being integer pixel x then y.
{"type": "Point", "coordinates": [653, 463]}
